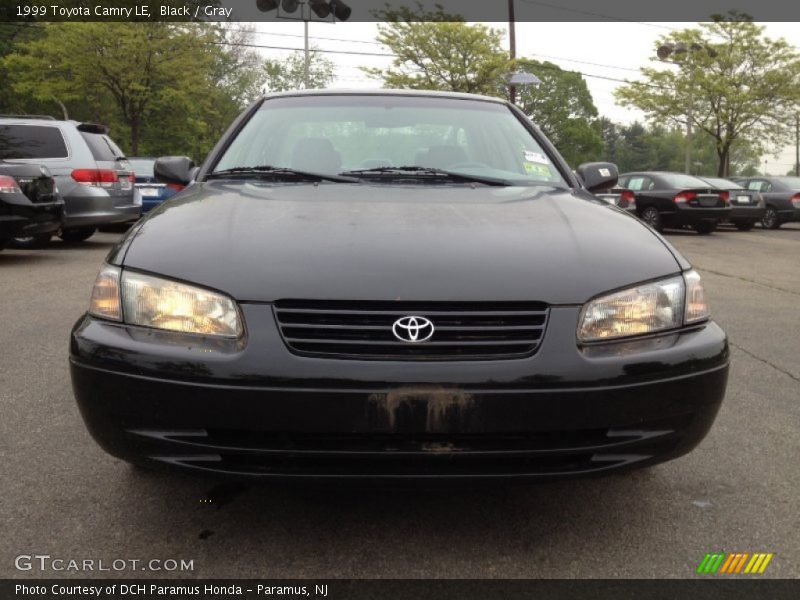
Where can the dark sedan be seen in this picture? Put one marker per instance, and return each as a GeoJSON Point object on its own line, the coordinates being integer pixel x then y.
{"type": "Point", "coordinates": [674, 200]}
{"type": "Point", "coordinates": [153, 192]}
{"type": "Point", "coordinates": [747, 206]}
{"type": "Point", "coordinates": [781, 197]}
{"type": "Point", "coordinates": [29, 202]}
{"type": "Point", "coordinates": [619, 197]}
{"type": "Point", "coordinates": [394, 285]}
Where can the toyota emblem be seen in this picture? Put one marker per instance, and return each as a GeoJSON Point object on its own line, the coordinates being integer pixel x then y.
{"type": "Point", "coordinates": [413, 329]}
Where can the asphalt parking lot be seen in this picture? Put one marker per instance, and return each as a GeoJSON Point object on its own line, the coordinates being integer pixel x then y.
{"type": "Point", "coordinates": [62, 496]}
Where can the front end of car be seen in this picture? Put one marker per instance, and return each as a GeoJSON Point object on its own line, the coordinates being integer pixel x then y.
{"type": "Point", "coordinates": [171, 374]}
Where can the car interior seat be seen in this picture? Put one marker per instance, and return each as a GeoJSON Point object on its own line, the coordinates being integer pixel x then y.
{"type": "Point", "coordinates": [316, 155]}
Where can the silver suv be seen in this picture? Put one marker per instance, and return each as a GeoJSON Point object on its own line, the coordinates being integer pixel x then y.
{"type": "Point", "coordinates": [91, 172]}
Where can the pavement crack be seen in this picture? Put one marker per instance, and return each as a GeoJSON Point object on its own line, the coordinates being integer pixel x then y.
{"type": "Point", "coordinates": [766, 362]}
{"type": "Point", "coordinates": [746, 280]}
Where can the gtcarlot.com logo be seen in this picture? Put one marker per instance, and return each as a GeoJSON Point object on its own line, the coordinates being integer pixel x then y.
{"type": "Point", "coordinates": [734, 563]}
{"type": "Point", "coordinates": [45, 562]}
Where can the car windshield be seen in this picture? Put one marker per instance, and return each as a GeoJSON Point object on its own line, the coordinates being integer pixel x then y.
{"type": "Point", "coordinates": [680, 181]}
{"type": "Point", "coordinates": [143, 167]}
{"type": "Point", "coordinates": [723, 184]}
{"type": "Point", "coordinates": [333, 134]}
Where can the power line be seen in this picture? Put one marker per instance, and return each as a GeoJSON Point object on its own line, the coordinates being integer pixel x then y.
{"type": "Point", "coordinates": [313, 37]}
{"type": "Point", "coordinates": [595, 14]}
{"type": "Point", "coordinates": [385, 54]}
{"type": "Point", "coordinates": [269, 47]}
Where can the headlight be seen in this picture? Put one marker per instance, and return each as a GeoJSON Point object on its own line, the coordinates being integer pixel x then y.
{"type": "Point", "coordinates": [150, 301]}
{"type": "Point", "coordinates": [646, 308]}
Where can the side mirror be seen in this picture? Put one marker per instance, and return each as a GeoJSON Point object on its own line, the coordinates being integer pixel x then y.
{"type": "Point", "coordinates": [598, 176]}
{"type": "Point", "coordinates": [174, 169]}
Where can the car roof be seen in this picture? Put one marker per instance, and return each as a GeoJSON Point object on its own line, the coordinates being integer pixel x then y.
{"type": "Point", "coordinates": [387, 92]}
{"type": "Point", "coordinates": [32, 121]}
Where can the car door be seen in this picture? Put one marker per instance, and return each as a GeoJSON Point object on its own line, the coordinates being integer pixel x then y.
{"type": "Point", "coordinates": [644, 189]}
{"type": "Point", "coordinates": [773, 196]}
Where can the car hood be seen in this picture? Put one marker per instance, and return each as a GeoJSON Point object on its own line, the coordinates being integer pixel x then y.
{"type": "Point", "coordinates": [264, 242]}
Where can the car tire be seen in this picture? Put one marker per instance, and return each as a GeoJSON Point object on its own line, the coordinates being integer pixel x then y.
{"type": "Point", "coordinates": [3, 244]}
{"type": "Point", "coordinates": [77, 235]}
{"type": "Point", "coordinates": [705, 227]}
{"type": "Point", "coordinates": [770, 219]}
{"type": "Point", "coordinates": [744, 225]}
{"type": "Point", "coordinates": [651, 217]}
{"type": "Point", "coordinates": [31, 242]}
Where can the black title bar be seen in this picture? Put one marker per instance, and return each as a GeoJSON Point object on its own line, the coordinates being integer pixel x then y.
{"type": "Point", "coordinates": [374, 10]}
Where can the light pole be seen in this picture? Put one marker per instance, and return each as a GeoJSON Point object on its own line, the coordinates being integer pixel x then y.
{"type": "Point", "coordinates": [797, 145]}
{"type": "Point", "coordinates": [680, 51]}
{"type": "Point", "coordinates": [512, 47]}
{"type": "Point", "coordinates": [335, 9]}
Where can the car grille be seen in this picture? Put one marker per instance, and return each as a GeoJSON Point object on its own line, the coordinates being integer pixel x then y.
{"type": "Point", "coordinates": [363, 330]}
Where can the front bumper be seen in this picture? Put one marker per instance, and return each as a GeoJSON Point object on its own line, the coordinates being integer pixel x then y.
{"type": "Point", "coordinates": [255, 410]}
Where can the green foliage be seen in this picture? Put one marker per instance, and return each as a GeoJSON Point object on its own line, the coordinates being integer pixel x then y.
{"type": "Point", "coordinates": [162, 87]}
{"type": "Point", "coordinates": [563, 109]}
{"type": "Point", "coordinates": [634, 147]}
{"type": "Point", "coordinates": [437, 51]}
{"type": "Point", "coordinates": [289, 74]}
{"type": "Point", "coordinates": [745, 89]}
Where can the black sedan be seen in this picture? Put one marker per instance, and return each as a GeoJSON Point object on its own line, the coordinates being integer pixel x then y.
{"type": "Point", "coordinates": [674, 200]}
{"type": "Point", "coordinates": [394, 285]}
{"type": "Point", "coordinates": [747, 206]}
{"type": "Point", "coordinates": [29, 202]}
{"type": "Point", "coordinates": [781, 196]}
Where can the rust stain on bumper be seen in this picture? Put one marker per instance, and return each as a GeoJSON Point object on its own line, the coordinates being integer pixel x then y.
{"type": "Point", "coordinates": [421, 408]}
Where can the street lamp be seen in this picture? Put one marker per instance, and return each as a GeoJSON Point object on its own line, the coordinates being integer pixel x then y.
{"type": "Point", "coordinates": [335, 9]}
{"type": "Point", "coordinates": [681, 51]}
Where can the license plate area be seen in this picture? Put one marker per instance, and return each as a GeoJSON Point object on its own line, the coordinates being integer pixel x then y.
{"type": "Point", "coordinates": [148, 192]}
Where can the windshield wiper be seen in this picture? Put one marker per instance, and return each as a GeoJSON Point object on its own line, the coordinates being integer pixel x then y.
{"type": "Point", "coordinates": [416, 171]}
{"type": "Point", "coordinates": [278, 172]}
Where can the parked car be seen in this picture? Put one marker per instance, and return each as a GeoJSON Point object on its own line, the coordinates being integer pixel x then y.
{"type": "Point", "coordinates": [747, 206]}
{"type": "Point", "coordinates": [781, 197]}
{"type": "Point", "coordinates": [29, 202]}
{"type": "Point", "coordinates": [674, 200]}
{"type": "Point", "coordinates": [90, 170]}
{"type": "Point", "coordinates": [619, 197]}
{"type": "Point", "coordinates": [471, 311]}
{"type": "Point", "coordinates": [153, 193]}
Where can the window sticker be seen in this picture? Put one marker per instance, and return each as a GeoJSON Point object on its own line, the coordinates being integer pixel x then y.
{"type": "Point", "coordinates": [536, 157]}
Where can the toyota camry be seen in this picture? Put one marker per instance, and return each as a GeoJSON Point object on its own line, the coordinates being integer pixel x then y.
{"type": "Point", "coordinates": [394, 284]}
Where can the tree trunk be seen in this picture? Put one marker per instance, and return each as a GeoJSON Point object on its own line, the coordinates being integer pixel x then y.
{"type": "Point", "coordinates": [724, 160]}
{"type": "Point", "coordinates": [135, 137]}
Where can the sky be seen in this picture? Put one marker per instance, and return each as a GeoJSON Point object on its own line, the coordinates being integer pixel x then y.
{"type": "Point", "coordinates": [604, 52]}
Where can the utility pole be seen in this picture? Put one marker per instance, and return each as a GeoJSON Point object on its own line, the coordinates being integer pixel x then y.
{"type": "Point", "coordinates": [797, 145]}
{"type": "Point", "coordinates": [683, 52]}
{"type": "Point", "coordinates": [512, 42]}
{"type": "Point", "coordinates": [307, 62]}
{"type": "Point", "coordinates": [687, 164]}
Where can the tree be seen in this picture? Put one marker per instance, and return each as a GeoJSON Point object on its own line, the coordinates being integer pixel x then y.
{"type": "Point", "coordinates": [438, 51]}
{"type": "Point", "coordinates": [635, 147]}
{"type": "Point", "coordinates": [163, 85]}
{"type": "Point", "coordinates": [744, 89]}
{"type": "Point", "coordinates": [563, 109]}
{"type": "Point", "coordinates": [289, 74]}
